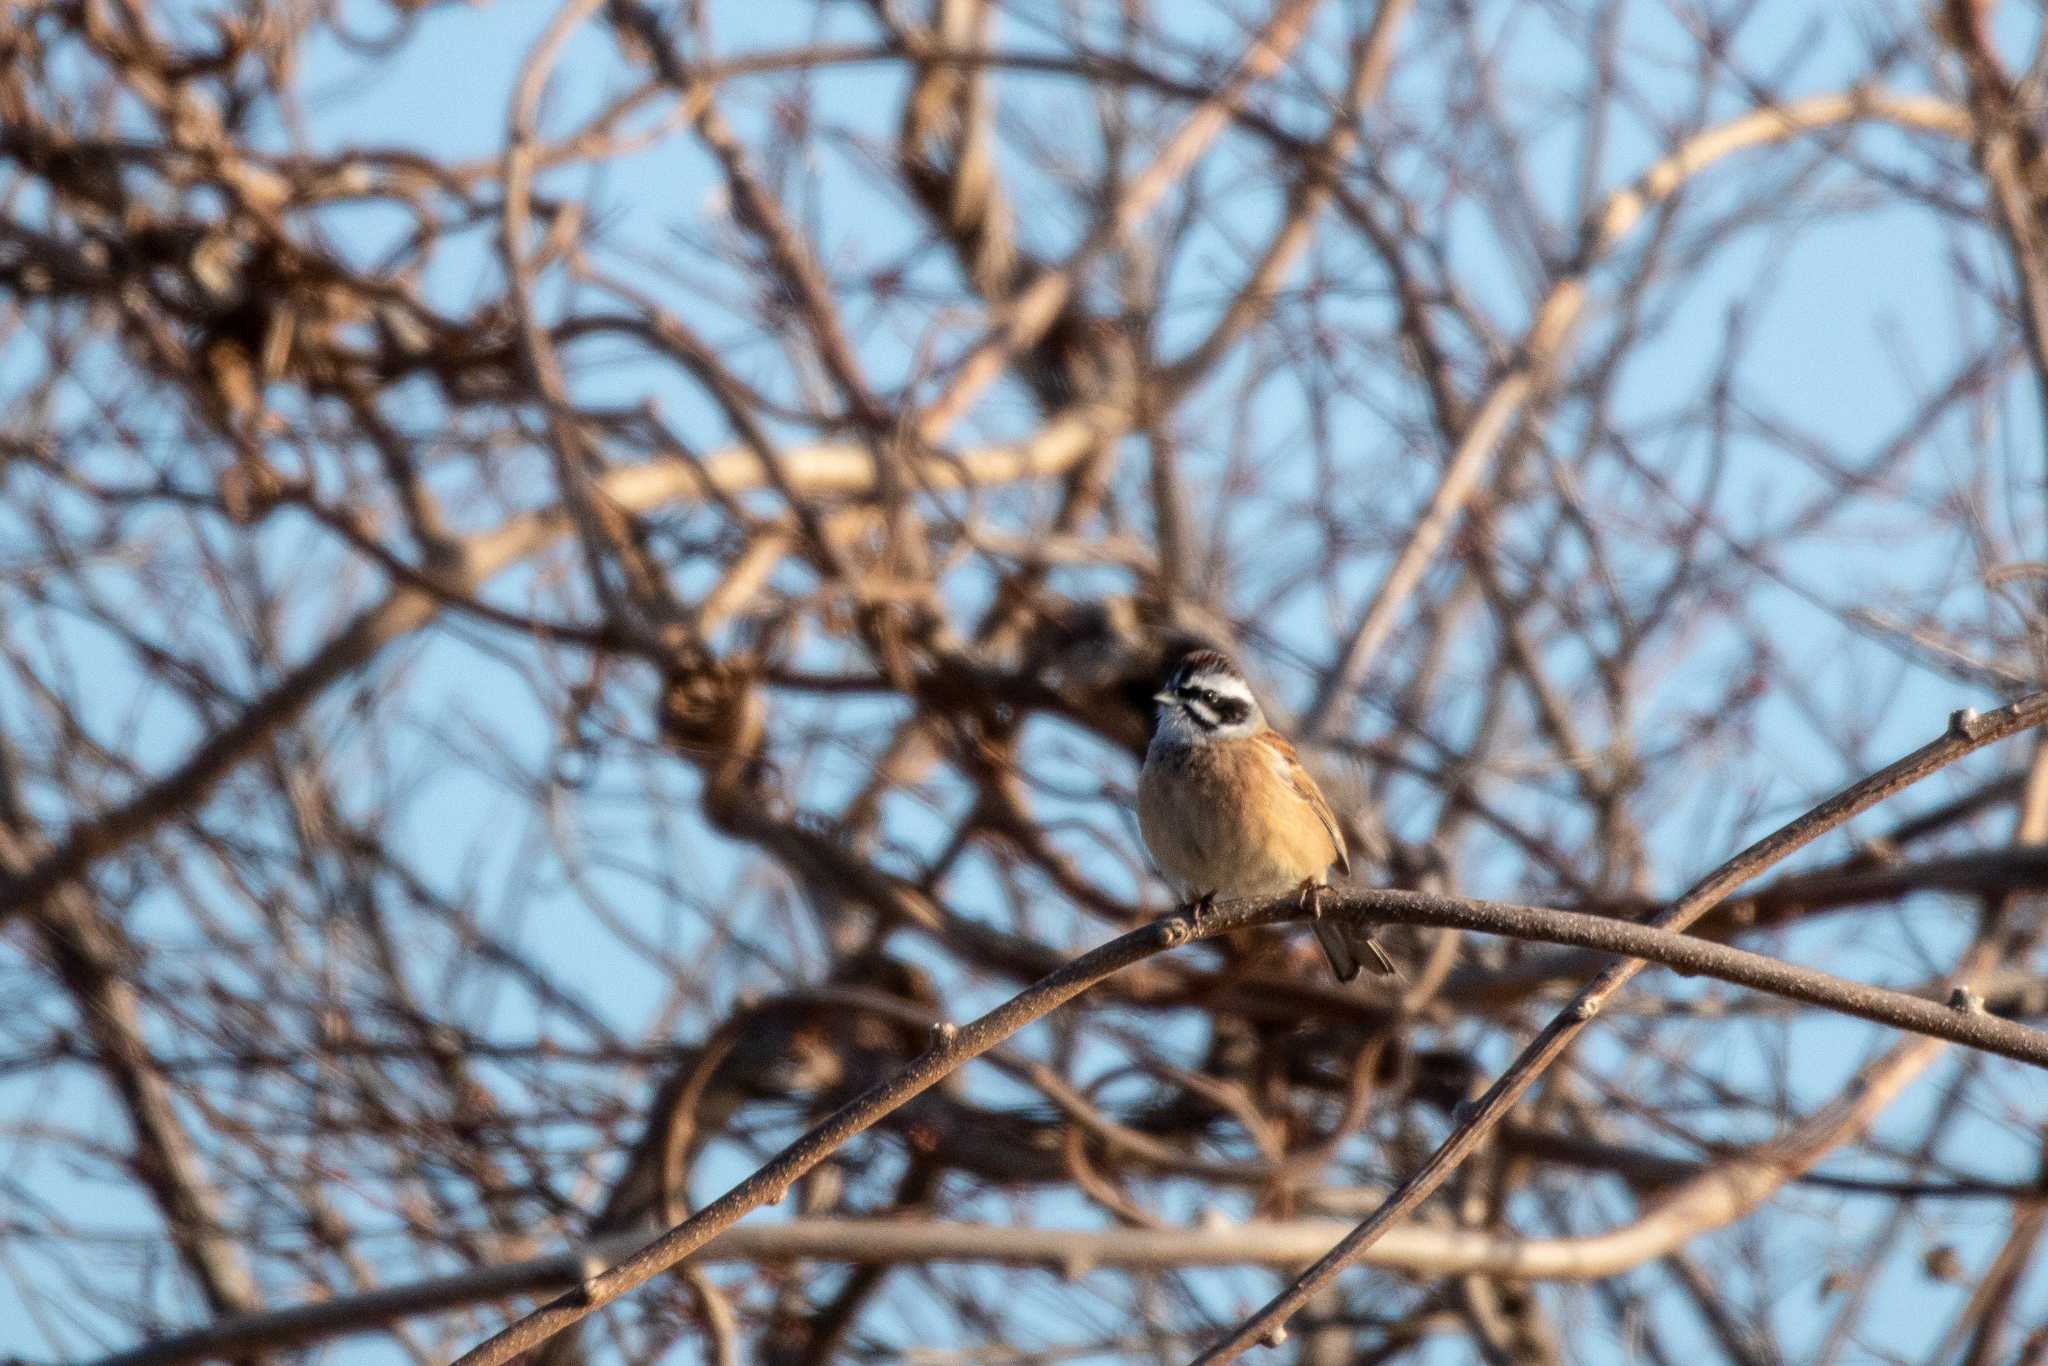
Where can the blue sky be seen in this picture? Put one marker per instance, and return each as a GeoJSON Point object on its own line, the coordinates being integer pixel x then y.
{"type": "Point", "coordinates": [1852, 310]}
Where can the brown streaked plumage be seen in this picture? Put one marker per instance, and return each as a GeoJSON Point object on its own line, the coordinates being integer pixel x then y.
{"type": "Point", "coordinates": [1228, 810]}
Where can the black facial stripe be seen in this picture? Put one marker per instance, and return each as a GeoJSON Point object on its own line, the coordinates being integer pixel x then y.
{"type": "Point", "coordinates": [1210, 709]}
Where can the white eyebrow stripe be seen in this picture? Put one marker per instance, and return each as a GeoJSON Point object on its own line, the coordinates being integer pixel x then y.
{"type": "Point", "coordinates": [1223, 685]}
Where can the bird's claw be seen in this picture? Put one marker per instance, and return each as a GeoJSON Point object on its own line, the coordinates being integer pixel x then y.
{"type": "Point", "coordinates": [1312, 900]}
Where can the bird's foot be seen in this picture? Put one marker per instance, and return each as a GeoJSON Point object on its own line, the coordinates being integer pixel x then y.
{"type": "Point", "coordinates": [1312, 898]}
{"type": "Point", "coordinates": [1200, 907]}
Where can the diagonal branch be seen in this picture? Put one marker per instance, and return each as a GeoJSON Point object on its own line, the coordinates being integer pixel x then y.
{"type": "Point", "coordinates": [1373, 58]}
{"type": "Point", "coordinates": [1024, 319]}
{"type": "Point", "coordinates": [953, 1046]}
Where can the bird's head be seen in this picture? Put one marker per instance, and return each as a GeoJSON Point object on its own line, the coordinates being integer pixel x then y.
{"type": "Point", "coordinates": [1208, 699]}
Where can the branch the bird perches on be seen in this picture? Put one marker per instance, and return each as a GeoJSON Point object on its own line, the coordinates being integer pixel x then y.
{"type": "Point", "coordinates": [1661, 940]}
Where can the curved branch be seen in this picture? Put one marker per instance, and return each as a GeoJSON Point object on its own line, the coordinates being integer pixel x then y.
{"type": "Point", "coordinates": [952, 1047]}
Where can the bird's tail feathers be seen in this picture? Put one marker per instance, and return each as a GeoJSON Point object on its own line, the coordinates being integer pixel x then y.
{"type": "Point", "coordinates": [1348, 945]}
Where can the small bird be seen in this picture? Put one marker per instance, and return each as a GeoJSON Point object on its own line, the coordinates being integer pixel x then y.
{"type": "Point", "coordinates": [1227, 809]}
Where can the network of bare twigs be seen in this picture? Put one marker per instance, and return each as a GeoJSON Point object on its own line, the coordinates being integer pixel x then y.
{"type": "Point", "coordinates": [535, 677]}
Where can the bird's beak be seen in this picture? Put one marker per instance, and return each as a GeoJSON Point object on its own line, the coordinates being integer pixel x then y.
{"type": "Point", "coordinates": [1162, 697]}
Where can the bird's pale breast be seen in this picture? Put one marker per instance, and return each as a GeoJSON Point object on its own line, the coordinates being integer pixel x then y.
{"type": "Point", "coordinates": [1223, 818]}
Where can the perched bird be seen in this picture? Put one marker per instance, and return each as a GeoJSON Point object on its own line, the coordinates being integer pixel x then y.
{"type": "Point", "coordinates": [1228, 811]}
